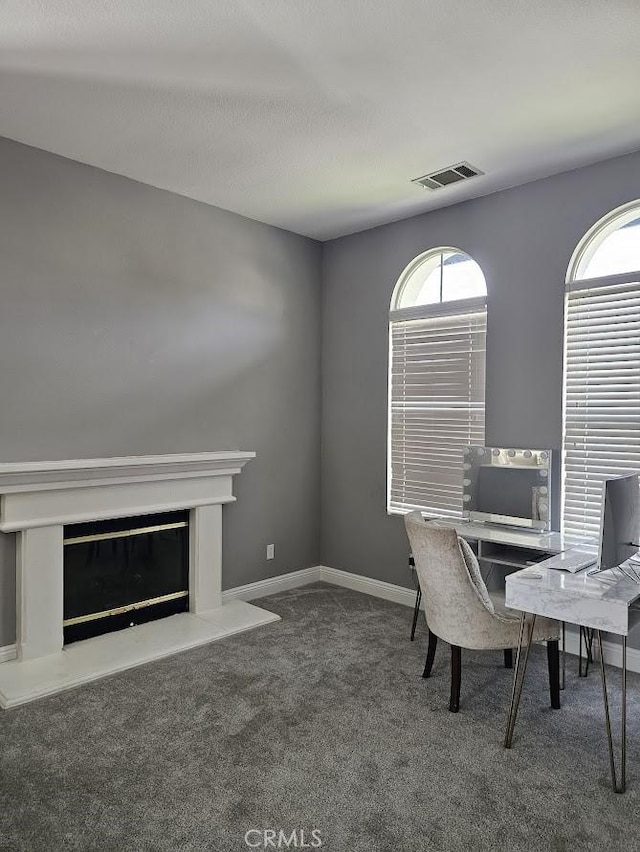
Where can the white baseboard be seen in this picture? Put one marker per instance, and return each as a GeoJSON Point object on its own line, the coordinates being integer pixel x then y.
{"type": "Point", "coordinates": [324, 574]}
{"type": "Point", "coordinates": [376, 588]}
{"type": "Point", "coordinates": [321, 573]}
{"type": "Point", "coordinates": [273, 585]}
{"type": "Point", "coordinates": [407, 597]}
{"type": "Point", "coordinates": [368, 586]}
{"type": "Point", "coordinates": [612, 651]}
{"type": "Point", "coordinates": [7, 652]}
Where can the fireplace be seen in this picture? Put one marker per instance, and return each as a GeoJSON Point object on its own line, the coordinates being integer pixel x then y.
{"type": "Point", "coordinates": [44, 502]}
{"type": "Point", "coordinates": [123, 572]}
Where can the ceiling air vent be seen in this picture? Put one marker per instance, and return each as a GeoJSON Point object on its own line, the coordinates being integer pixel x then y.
{"type": "Point", "coordinates": [453, 174]}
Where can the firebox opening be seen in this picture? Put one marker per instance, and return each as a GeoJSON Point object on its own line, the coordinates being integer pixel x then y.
{"type": "Point", "coordinates": [124, 571]}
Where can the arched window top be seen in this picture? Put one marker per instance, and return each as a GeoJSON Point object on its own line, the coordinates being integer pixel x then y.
{"type": "Point", "coordinates": [439, 275]}
{"type": "Point", "coordinates": [611, 246]}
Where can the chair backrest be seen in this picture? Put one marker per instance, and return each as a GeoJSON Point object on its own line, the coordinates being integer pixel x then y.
{"type": "Point", "coordinates": [457, 604]}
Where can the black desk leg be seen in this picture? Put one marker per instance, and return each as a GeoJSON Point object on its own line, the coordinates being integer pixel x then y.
{"type": "Point", "coordinates": [588, 640]}
{"type": "Point", "coordinates": [416, 612]}
{"type": "Point", "coordinates": [586, 635]}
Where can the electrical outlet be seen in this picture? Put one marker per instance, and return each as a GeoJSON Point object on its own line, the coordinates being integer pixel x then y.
{"type": "Point", "coordinates": [271, 551]}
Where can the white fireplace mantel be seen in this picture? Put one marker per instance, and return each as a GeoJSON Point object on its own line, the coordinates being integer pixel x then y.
{"type": "Point", "coordinates": [37, 499]}
{"type": "Point", "coordinates": [39, 494]}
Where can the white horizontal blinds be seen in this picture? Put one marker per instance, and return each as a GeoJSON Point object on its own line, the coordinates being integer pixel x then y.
{"type": "Point", "coordinates": [602, 395]}
{"type": "Point", "coordinates": [437, 407]}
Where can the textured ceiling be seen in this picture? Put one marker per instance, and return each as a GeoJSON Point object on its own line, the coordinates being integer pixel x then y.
{"type": "Point", "coordinates": [314, 115]}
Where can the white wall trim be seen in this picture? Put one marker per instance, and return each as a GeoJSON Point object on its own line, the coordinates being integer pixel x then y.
{"type": "Point", "coordinates": [7, 652]}
{"type": "Point", "coordinates": [322, 574]}
{"type": "Point", "coordinates": [613, 656]}
{"type": "Point", "coordinates": [273, 585]}
{"type": "Point", "coordinates": [396, 594]}
{"type": "Point", "coordinates": [368, 586]}
{"type": "Point", "coordinates": [612, 652]}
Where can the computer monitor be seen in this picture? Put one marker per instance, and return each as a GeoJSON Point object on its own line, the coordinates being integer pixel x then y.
{"type": "Point", "coordinates": [620, 525]}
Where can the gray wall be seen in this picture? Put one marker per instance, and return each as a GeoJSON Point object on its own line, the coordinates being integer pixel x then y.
{"type": "Point", "coordinates": [135, 321]}
{"type": "Point", "coordinates": [523, 238]}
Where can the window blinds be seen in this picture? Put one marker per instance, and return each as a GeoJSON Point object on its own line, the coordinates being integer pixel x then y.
{"type": "Point", "coordinates": [602, 394]}
{"type": "Point", "coordinates": [437, 379]}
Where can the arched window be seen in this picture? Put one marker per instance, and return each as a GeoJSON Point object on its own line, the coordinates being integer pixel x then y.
{"type": "Point", "coordinates": [601, 365]}
{"type": "Point", "coordinates": [437, 333]}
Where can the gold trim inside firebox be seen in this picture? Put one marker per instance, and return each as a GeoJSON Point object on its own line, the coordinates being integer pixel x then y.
{"type": "Point", "coordinates": [118, 610]}
{"type": "Point", "coordinates": [83, 539]}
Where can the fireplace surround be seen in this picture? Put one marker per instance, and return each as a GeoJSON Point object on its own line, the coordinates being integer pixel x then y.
{"type": "Point", "coordinates": [38, 499]}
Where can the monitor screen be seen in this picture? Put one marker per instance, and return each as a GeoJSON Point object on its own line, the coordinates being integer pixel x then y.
{"type": "Point", "coordinates": [507, 491]}
{"type": "Point", "coordinates": [507, 486]}
{"type": "Point", "coordinates": [620, 525]}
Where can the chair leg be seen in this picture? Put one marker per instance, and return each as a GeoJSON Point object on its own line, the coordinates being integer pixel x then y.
{"type": "Point", "coordinates": [431, 652]}
{"type": "Point", "coordinates": [553, 660]}
{"type": "Point", "coordinates": [508, 658]}
{"type": "Point", "coordinates": [456, 671]}
{"type": "Point", "coordinates": [416, 613]}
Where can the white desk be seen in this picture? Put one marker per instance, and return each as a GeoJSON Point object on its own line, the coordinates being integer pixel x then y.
{"type": "Point", "coordinates": [599, 601]}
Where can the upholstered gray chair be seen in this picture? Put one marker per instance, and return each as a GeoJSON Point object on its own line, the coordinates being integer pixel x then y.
{"type": "Point", "coordinates": [459, 609]}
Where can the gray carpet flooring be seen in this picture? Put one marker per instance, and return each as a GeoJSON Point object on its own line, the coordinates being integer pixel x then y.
{"type": "Point", "coordinates": [323, 722]}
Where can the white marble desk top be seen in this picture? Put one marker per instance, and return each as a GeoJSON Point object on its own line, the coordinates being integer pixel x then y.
{"type": "Point", "coordinates": [601, 601]}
